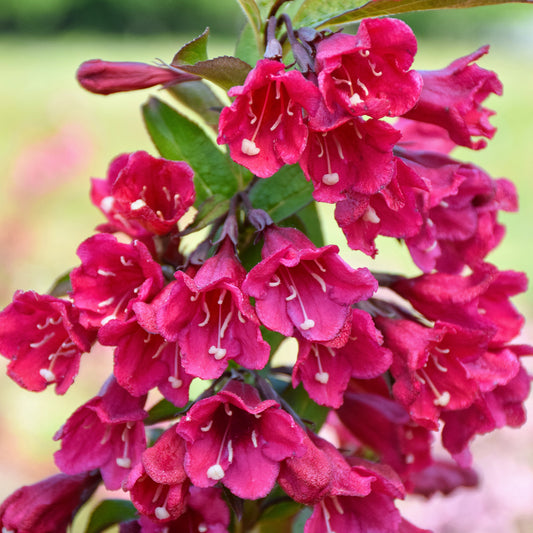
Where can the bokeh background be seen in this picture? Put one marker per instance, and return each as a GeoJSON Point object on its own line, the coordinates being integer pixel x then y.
{"type": "Point", "coordinates": [54, 137]}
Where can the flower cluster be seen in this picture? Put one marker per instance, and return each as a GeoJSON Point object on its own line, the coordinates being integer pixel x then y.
{"type": "Point", "coordinates": [383, 361]}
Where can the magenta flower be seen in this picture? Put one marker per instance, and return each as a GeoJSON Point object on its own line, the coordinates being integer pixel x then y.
{"type": "Point", "coordinates": [107, 433]}
{"type": "Point", "coordinates": [264, 127]}
{"type": "Point", "coordinates": [355, 156]}
{"type": "Point", "coordinates": [112, 277]}
{"type": "Point", "coordinates": [451, 98]}
{"type": "Point", "coordinates": [44, 340]}
{"type": "Point", "coordinates": [239, 440]}
{"type": "Point", "coordinates": [107, 77]}
{"type": "Point", "coordinates": [299, 287]}
{"type": "Point", "coordinates": [205, 512]}
{"type": "Point", "coordinates": [143, 359]}
{"type": "Point", "coordinates": [325, 371]}
{"type": "Point", "coordinates": [158, 484]}
{"type": "Point", "coordinates": [144, 194]}
{"type": "Point", "coordinates": [211, 319]}
{"type": "Point", "coordinates": [47, 506]}
{"type": "Point", "coordinates": [368, 73]}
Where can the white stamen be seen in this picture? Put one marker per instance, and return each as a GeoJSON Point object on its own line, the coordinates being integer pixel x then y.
{"type": "Point", "coordinates": [289, 112]}
{"type": "Point", "coordinates": [47, 375]}
{"type": "Point", "coordinates": [254, 438]}
{"type": "Point", "coordinates": [364, 53]}
{"type": "Point", "coordinates": [363, 86]}
{"type": "Point", "coordinates": [103, 272]}
{"type": "Point", "coordinates": [175, 383]}
{"type": "Point", "coordinates": [322, 377]}
{"type": "Point", "coordinates": [126, 262]}
{"type": "Point", "coordinates": [221, 297]}
{"type": "Point", "coordinates": [444, 204]}
{"type": "Point", "coordinates": [161, 513]}
{"type": "Point", "coordinates": [107, 302]}
{"type": "Point", "coordinates": [443, 400]}
{"type": "Point", "coordinates": [321, 282]}
{"type": "Point", "coordinates": [277, 123]}
{"type": "Point", "coordinates": [160, 214]}
{"type": "Point", "coordinates": [355, 99]}
{"type": "Point", "coordinates": [293, 293]}
{"type": "Point", "coordinates": [330, 179]}
{"type": "Point", "coordinates": [202, 528]}
{"type": "Point", "coordinates": [123, 462]}
{"type": "Point", "coordinates": [320, 267]}
{"type": "Point", "coordinates": [207, 315]}
{"type": "Point", "coordinates": [278, 90]}
{"type": "Point", "coordinates": [431, 247]}
{"type": "Point", "coordinates": [218, 353]}
{"type": "Point", "coordinates": [275, 281]}
{"type": "Point", "coordinates": [371, 216]}
{"type": "Point", "coordinates": [167, 194]}
{"type": "Point", "coordinates": [337, 505]}
{"type": "Point", "coordinates": [43, 341]}
{"type": "Point", "coordinates": [157, 493]}
{"type": "Point", "coordinates": [215, 472]}
{"type": "Point", "coordinates": [327, 516]}
{"type": "Point", "coordinates": [147, 339]}
{"type": "Point", "coordinates": [108, 319]}
{"type": "Point", "coordinates": [437, 364]}
{"type": "Point", "coordinates": [230, 451]}
{"type": "Point", "coordinates": [194, 297]}
{"type": "Point", "coordinates": [229, 412]}
{"type": "Point", "coordinates": [410, 459]}
{"type": "Point", "coordinates": [225, 324]}
{"type": "Point", "coordinates": [241, 318]}
{"type": "Point", "coordinates": [107, 204]}
{"type": "Point", "coordinates": [442, 350]}
{"type": "Point", "coordinates": [207, 427]}
{"type": "Point", "coordinates": [249, 147]}
{"type": "Point", "coordinates": [49, 321]}
{"type": "Point", "coordinates": [376, 73]}
{"type": "Point", "coordinates": [162, 346]}
{"type": "Point", "coordinates": [307, 324]}
{"type": "Point", "coordinates": [430, 223]}
{"type": "Point", "coordinates": [339, 147]}
{"type": "Point", "coordinates": [138, 204]}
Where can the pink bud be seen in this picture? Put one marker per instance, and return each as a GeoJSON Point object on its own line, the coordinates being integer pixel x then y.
{"type": "Point", "coordinates": [107, 77]}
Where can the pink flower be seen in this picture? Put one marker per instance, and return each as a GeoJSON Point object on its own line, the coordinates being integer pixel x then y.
{"type": "Point", "coordinates": [264, 127]}
{"type": "Point", "coordinates": [355, 156]}
{"type": "Point", "coordinates": [368, 73]}
{"type": "Point", "coordinates": [325, 371]}
{"type": "Point", "coordinates": [452, 98]}
{"type": "Point", "coordinates": [299, 287]}
{"type": "Point", "coordinates": [44, 340]}
{"type": "Point", "coordinates": [211, 319]}
{"type": "Point", "coordinates": [143, 359]}
{"type": "Point", "coordinates": [112, 277]}
{"type": "Point", "coordinates": [239, 440]}
{"type": "Point", "coordinates": [107, 77]}
{"type": "Point", "coordinates": [205, 512]}
{"type": "Point", "coordinates": [158, 484]}
{"type": "Point", "coordinates": [144, 194]}
{"type": "Point", "coordinates": [48, 506]}
{"type": "Point", "coordinates": [107, 433]}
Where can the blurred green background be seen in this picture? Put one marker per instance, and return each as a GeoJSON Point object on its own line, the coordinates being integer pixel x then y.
{"type": "Point", "coordinates": [54, 137]}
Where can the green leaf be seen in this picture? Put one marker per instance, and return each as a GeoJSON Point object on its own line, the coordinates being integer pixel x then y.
{"type": "Point", "coordinates": [200, 98]}
{"type": "Point", "coordinates": [307, 409]}
{"type": "Point", "coordinates": [283, 194]}
{"type": "Point", "coordinates": [61, 286]}
{"type": "Point", "coordinates": [317, 13]}
{"type": "Point", "coordinates": [110, 512]}
{"type": "Point", "coordinates": [193, 51]}
{"type": "Point", "coordinates": [308, 221]}
{"type": "Point", "coordinates": [224, 71]}
{"type": "Point", "coordinates": [251, 10]}
{"type": "Point", "coordinates": [164, 410]}
{"type": "Point", "coordinates": [301, 519]}
{"type": "Point", "coordinates": [247, 48]}
{"type": "Point", "coordinates": [178, 138]}
{"type": "Point", "coordinates": [211, 209]}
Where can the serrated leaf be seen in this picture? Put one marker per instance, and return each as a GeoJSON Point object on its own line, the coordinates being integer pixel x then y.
{"type": "Point", "coordinates": [193, 51]}
{"type": "Point", "coordinates": [163, 410]}
{"type": "Point", "coordinates": [317, 13]}
{"type": "Point", "coordinates": [110, 512]}
{"type": "Point", "coordinates": [224, 71]}
{"type": "Point", "coordinates": [200, 98]}
{"type": "Point", "coordinates": [178, 138]}
{"type": "Point", "coordinates": [283, 194]}
{"type": "Point", "coordinates": [307, 409]}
